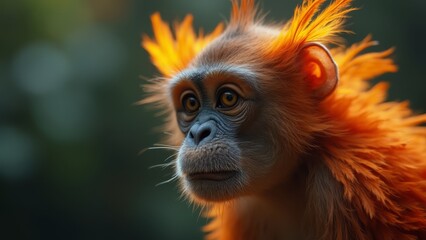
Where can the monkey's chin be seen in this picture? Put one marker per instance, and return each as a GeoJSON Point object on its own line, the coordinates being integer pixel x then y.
{"type": "Point", "coordinates": [214, 187]}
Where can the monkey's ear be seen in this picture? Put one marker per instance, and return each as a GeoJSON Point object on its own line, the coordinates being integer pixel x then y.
{"type": "Point", "coordinates": [319, 70]}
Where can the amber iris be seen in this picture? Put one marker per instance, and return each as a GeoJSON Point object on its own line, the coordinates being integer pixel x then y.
{"type": "Point", "coordinates": [190, 103]}
{"type": "Point", "coordinates": [227, 99]}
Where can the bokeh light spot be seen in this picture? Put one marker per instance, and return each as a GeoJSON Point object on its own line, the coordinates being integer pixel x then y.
{"type": "Point", "coordinates": [16, 154]}
{"type": "Point", "coordinates": [41, 68]}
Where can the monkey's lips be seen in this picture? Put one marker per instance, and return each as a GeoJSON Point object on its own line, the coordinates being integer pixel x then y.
{"type": "Point", "coordinates": [213, 186]}
{"type": "Point", "coordinates": [212, 176]}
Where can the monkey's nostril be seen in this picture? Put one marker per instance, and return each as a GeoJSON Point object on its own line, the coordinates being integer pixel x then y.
{"type": "Point", "coordinates": [204, 133]}
{"type": "Point", "coordinates": [198, 134]}
{"type": "Point", "coordinates": [191, 135]}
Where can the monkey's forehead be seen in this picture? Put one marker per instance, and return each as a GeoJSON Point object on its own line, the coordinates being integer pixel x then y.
{"type": "Point", "coordinates": [198, 75]}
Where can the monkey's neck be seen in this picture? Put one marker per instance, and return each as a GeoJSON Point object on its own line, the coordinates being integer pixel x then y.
{"type": "Point", "coordinates": [301, 208]}
{"type": "Point", "coordinates": [275, 214]}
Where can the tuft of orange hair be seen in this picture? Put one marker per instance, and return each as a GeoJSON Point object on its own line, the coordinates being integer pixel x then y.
{"type": "Point", "coordinates": [172, 51]}
{"type": "Point", "coordinates": [375, 149]}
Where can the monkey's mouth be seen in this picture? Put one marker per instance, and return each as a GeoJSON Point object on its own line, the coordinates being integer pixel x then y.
{"type": "Point", "coordinates": [212, 176]}
{"type": "Point", "coordinates": [213, 186]}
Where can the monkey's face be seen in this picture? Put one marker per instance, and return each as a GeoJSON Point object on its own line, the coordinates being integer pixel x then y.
{"type": "Point", "coordinates": [228, 151]}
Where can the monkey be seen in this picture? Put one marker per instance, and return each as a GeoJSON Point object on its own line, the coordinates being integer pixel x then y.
{"type": "Point", "coordinates": [281, 133]}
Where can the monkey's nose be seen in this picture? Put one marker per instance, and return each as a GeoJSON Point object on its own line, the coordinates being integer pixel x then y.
{"type": "Point", "coordinates": [203, 132]}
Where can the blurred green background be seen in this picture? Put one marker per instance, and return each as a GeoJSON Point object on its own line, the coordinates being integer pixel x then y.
{"type": "Point", "coordinates": [70, 133]}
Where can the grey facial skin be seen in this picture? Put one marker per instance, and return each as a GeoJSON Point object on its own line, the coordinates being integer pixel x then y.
{"type": "Point", "coordinates": [211, 164]}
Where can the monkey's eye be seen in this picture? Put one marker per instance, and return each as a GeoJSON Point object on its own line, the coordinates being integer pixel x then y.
{"type": "Point", "coordinates": [227, 98]}
{"type": "Point", "coordinates": [190, 103]}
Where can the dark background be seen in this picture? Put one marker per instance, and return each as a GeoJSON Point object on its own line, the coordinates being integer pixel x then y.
{"type": "Point", "coordinates": [70, 132]}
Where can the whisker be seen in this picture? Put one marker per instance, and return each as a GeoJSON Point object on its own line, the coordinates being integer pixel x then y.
{"type": "Point", "coordinates": [173, 155]}
{"type": "Point", "coordinates": [201, 211]}
{"type": "Point", "coordinates": [165, 145]}
{"type": "Point", "coordinates": [162, 148]}
{"type": "Point", "coordinates": [159, 146]}
{"type": "Point", "coordinates": [183, 196]}
{"type": "Point", "coordinates": [167, 181]}
{"type": "Point", "coordinates": [163, 165]}
{"type": "Point", "coordinates": [194, 207]}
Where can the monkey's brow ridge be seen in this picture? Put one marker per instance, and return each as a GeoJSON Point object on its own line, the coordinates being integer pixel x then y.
{"type": "Point", "coordinates": [197, 75]}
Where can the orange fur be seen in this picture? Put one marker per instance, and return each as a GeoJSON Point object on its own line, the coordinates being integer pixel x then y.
{"type": "Point", "coordinates": [171, 53]}
{"type": "Point", "coordinates": [367, 174]}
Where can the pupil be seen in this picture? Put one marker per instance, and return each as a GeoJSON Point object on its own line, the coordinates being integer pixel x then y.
{"type": "Point", "coordinates": [229, 96]}
{"type": "Point", "coordinates": [192, 102]}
